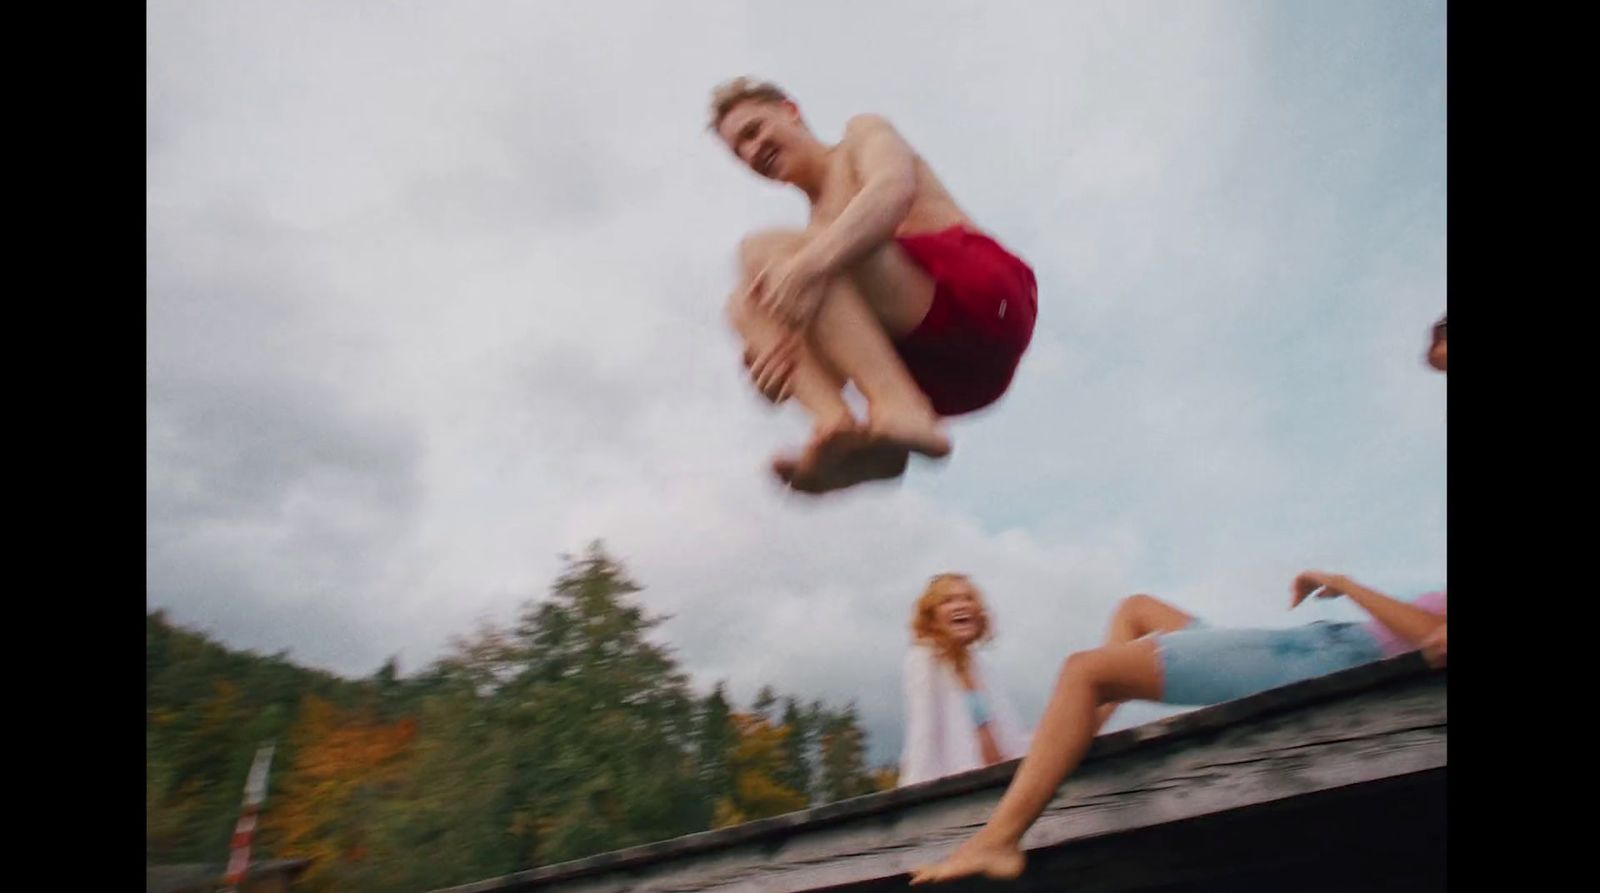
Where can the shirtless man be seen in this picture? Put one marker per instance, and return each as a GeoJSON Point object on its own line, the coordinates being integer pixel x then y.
{"type": "Point", "coordinates": [889, 286]}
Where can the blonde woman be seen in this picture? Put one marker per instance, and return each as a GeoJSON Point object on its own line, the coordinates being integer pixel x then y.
{"type": "Point", "coordinates": [957, 718]}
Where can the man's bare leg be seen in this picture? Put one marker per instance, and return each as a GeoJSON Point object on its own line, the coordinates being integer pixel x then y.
{"type": "Point", "coordinates": [850, 335]}
{"type": "Point", "coordinates": [818, 387]}
{"type": "Point", "coordinates": [1088, 679]}
{"type": "Point", "coordinates": [814, 384]}
{"type": "Point", "coordinates": [1138, 616]}
{"type": "Point", "coordinates": [853, 339]}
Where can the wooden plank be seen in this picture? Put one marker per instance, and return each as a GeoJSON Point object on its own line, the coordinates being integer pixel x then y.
{"type": "Point", "coordinates": [1360, 741]}
{"type": "Point", "coordinates": [1386, 835]}
{"type": "Point", "coordinates": [1387, 721]}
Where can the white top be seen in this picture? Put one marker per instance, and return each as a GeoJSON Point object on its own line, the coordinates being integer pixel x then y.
{"type": "Point", "coordinates": [941, 738]}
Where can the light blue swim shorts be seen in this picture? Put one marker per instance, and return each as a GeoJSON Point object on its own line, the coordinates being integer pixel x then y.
{"type": "Point", "coordinates": [1206, 665]}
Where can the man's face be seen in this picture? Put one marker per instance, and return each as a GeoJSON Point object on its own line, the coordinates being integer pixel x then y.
{"type": "Point", "coordinates": [767, 136]}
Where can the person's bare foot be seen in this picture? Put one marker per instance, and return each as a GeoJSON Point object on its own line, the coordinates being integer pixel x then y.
{"type": "Point", "coordinates": [804, 467]}
{"type": "Point", "coordinates": [996, 861]}
{"type": "Point", "coordinates": [843, 460]}
{"type": "Point", "coordinates": [913, 428]}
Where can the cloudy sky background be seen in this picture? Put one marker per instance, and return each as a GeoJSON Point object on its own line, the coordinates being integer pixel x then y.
{"type": "Point", "coordinates": [434, 291]}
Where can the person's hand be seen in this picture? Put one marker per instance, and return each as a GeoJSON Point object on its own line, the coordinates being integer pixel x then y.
{"type": "Point", "coordinates": [1308, 582]}
{"type": "Point", "coordinates": [1433, 647]}
{"type": "Point", "coordinates": [790, 290]}
{"type": "Point", "coordinates": [772, 370]}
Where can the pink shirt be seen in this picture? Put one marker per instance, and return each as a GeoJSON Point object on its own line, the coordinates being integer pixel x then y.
{"type": "Point", "coordinates": [1392, 644]}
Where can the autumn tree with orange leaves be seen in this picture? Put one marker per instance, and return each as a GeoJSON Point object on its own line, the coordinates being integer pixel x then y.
{"type": "Point", "coordinates": [345, 762]}
{"type": "Point", "coordinates": [572, 732]}
{"type": "Point", "coordinates": [758, 763]}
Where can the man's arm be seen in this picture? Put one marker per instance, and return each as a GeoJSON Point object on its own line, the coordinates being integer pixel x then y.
{"type": "Point", "coordinates": [887, 168]}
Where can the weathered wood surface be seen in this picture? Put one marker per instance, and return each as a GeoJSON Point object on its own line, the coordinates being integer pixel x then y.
{"type": "Point", "coordinates": [1359, 733]}
{"type": "Point", "coordinates": [1377, 836]}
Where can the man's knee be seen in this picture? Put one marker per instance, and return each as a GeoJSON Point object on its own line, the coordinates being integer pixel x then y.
{"type": "Point", "coordinates": [761, 248]}
{"type": "Point", "coordinates": [737, 311]}
{"type": "Point", "coordinates": [744, 315]}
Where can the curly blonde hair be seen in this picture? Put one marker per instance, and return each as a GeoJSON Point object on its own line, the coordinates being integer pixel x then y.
{"type": "Point", "coordinates": [742, 89]}
{"type": "Point", "coordinates": [926, 630]}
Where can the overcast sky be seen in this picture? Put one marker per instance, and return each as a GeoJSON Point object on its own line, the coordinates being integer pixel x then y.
{"type": "Point", "coordinates": [434, 296]}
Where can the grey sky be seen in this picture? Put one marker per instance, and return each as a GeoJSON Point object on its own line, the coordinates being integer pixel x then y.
{"type": "Point", "coordinates": [434, 296]}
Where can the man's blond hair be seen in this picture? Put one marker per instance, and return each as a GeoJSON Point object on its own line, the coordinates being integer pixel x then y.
{"type": "Point", "coordinates": [742, 89]}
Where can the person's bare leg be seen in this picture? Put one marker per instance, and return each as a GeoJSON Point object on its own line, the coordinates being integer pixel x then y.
{"type": "Point", "coordinates": [885, 294]}
{"type": "Point", "coordinates": [853, 339]}
{"type": "Point", "coordinates": [817, 386]}
{"type": "Point", "coordinates": [1087, 680]}
{"type": "Point", "coordinates": [806, 471]}
{"type": "Point", "coordinates": [1138, 616]}
{"type": "Point", "coordinates": [897, 293]}
{"type": "Point", "coordinates": [847, 335]}
{"type": "Point", "coordinates": [814, 384]}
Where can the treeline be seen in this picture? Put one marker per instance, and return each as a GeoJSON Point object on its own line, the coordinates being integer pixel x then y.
{"type": "Point", "coordinates": [568, 734]}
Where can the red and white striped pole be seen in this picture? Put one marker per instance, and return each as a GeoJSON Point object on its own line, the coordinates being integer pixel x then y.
{"type": "Point", "coordinates": [255, 792]}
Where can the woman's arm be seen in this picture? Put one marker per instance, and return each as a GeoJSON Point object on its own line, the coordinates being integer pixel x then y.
{"type": "Point", "coordinates": [1433, 647]}
{"type": "Point", "coordinates": [988, 748]}
{"type": "Point", "coordinates": [1409, 622]}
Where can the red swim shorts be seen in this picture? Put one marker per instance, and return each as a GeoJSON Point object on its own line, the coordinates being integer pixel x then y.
{"type": "Point", "coordinates": [965, 351]}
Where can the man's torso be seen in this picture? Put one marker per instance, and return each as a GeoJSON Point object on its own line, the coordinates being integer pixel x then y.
{"type": "Point", "coordinates": [932, 207]}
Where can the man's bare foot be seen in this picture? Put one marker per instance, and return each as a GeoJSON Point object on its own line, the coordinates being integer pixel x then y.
{"type": "Point", "coordinates": [841, 458]}
{"type": "Point", "coordinates": [803, 467]}
{"type": "Point", "coordinates": [997, 861]}
{"type": "Point", "coordinates": [911, 428]}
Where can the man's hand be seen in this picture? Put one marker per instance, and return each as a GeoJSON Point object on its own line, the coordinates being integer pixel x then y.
{"type": "Point", "coordinates": [772, 369]}
{"type": "Point", "coordinates": [1307, 582]}
{"type": "Point", "coordinates": [1433, 647]}
{"type": "Point", "coordinates": [790, 289]}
